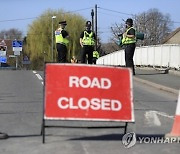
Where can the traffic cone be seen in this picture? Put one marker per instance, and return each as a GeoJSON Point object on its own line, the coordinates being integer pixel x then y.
{"type": "Point", "coordinates": [175, 132]}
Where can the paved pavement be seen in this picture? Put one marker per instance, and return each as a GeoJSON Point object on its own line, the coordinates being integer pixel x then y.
{"type": "Point", "coordinates": [168, 81]}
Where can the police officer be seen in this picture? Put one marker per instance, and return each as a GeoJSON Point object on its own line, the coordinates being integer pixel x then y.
{"type": "Point", "coordinates": [129, 42]}
{"type": "Point", "coordinates": [95, 56]}
{"type": "Point", "coordinates": [87, 42]}
{"type": "Point", "coordinates": [61, 36]}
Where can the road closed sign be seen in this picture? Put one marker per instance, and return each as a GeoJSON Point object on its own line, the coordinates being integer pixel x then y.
{"type": "Point", "coordinates": [88, 92]}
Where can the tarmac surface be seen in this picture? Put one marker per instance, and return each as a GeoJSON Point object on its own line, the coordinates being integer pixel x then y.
{"type": "Point", "coordinates": [161, 79]}
{"type": "Point", "coordinates": [21, 109]}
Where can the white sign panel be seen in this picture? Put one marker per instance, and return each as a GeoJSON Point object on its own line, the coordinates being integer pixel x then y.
{"type": "Point", "coordinates": [17, 53]}
{"type": "Point", "coordinates": [2, 53]}
{"type": "Point", "coordinates": [17, 49]}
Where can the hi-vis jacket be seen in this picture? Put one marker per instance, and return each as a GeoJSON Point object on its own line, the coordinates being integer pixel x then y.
{"type": "Point", "coordinates": [60, 39]}
{"type": "Point", "coordinates": [95, 54]}
{"type": "Point", "coordinates": [88, 39]}
{"type": "Point", "coordinates": [127, 40]}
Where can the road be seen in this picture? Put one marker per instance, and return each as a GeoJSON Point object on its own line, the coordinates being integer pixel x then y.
{"type": "Point", "coordinates": [21, 101]}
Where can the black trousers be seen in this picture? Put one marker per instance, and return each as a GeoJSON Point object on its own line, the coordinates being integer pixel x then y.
{"type": "Point", "coordinates": [62, 53]}
{"type": "Point", "coordinates": [94, 60]}
{"type": "Point", "coordinates": [87, 50]}
{"type": "Point", "coordinates": [129, 53]}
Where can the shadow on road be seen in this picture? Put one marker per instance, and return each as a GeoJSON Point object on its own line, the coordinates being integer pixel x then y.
{"type": "Point", "coordinates": [24, 136]}
{"type": "Point", "coordinates": [117, 137]}
{"type": "Point", "coordinates": [153, 73]}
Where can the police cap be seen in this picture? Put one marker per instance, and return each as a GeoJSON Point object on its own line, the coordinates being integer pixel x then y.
{"type": "Point", "coordinates": [129, 21]}
{"type": "Point", "coordinates": [88, 23]}
{"type": "Point", "coordinates": [62, 23]}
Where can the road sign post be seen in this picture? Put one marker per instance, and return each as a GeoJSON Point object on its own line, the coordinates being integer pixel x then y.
{"type": "Point", "coordinates": [87, 93]}
{"type": "Point", "coordinates": [17, 48]}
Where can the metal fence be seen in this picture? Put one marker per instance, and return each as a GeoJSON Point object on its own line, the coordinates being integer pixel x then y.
{"type": "Point", "coordinates": [167, 55]}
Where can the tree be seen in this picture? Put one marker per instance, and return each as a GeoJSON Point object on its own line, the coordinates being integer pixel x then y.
{"type": "Point", "coordinates": [152, 23]}
{"type": "Point", "coordinates": [117, 31]}
{"type": "Point", "coordinates": [39, 36]}
{"type": "Point", "coordinates": [11, 34]}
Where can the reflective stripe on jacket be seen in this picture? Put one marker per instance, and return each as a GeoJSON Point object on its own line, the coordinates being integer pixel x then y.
{"type": "Point", "coordinates": [88, 39]}
{"type": "Point", "coordinates": [60, 39]}
{"type": "Point", "coordinates": [128, 40]}
{"type": "Point", "coordinates": [95, 54]}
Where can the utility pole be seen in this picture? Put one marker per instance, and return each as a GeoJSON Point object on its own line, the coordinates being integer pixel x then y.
{"type": "Point", "coordinates": [92, 15]}
{"type": "Point", "coordinates": [96, 26]}
{"type": "Point", "coordinates": [16, 62]}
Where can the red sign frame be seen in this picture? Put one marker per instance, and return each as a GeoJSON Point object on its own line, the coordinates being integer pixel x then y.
{"type": "Point", "coordinates": [88, 92]}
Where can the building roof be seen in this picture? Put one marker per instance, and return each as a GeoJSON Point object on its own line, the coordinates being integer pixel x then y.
{"type": "Point", "coordinates": [9, 46]}
{"type": "Point", "coordinates": [8, 43]}
{"type": "Point", "coordinates": [171, 35]}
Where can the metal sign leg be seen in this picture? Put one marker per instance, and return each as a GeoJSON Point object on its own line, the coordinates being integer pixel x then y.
{"type": "Point", "coordinates": [125, 127]}
{"type": "Point", "coordinates": [43, 131]}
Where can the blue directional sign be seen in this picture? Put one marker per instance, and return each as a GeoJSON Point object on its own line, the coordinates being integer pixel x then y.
{"type": "Point", "coordinates": [17, 43]}
{"type": "Point", "coordinates": [3, 59]}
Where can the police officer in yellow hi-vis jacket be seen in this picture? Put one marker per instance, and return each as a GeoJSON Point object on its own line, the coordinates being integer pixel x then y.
{"type": "Point", "coordinates": [129, 42]}
{"type": "Point", "coordinates": [61, 36]}
{"type": "Point", "coordinates": [87, 42]}
{"type": "Point", "coordinates": [95, 56]}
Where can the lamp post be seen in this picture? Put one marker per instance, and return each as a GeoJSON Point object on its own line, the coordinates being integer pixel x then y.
{"type": "Point", "coordinates": [53, 17]}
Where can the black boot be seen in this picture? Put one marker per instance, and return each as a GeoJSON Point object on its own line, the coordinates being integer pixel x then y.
{"type": "Point", "coordinates": [133, 70]}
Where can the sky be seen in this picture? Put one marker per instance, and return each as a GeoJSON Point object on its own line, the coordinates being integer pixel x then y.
{"type": "Point", "coordinates": [20, 14]}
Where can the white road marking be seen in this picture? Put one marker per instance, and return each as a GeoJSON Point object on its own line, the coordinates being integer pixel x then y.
{"type": "Point", "coordinates": [152, 118]}
{"type": "Point", "coordinates": [39, 77]}
{"type": "Point", "coordinates": [164, 115]}
{"type": "Point", "coordinates": [84, 148]}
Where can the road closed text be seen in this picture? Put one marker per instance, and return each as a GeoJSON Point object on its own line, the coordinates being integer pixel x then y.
{"type": "Point", "coordinates": [85, 103]}
{"type": "Point", "coordinates": [86, 82]}
{"type": "Point", "coordinates": [93, 104]}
